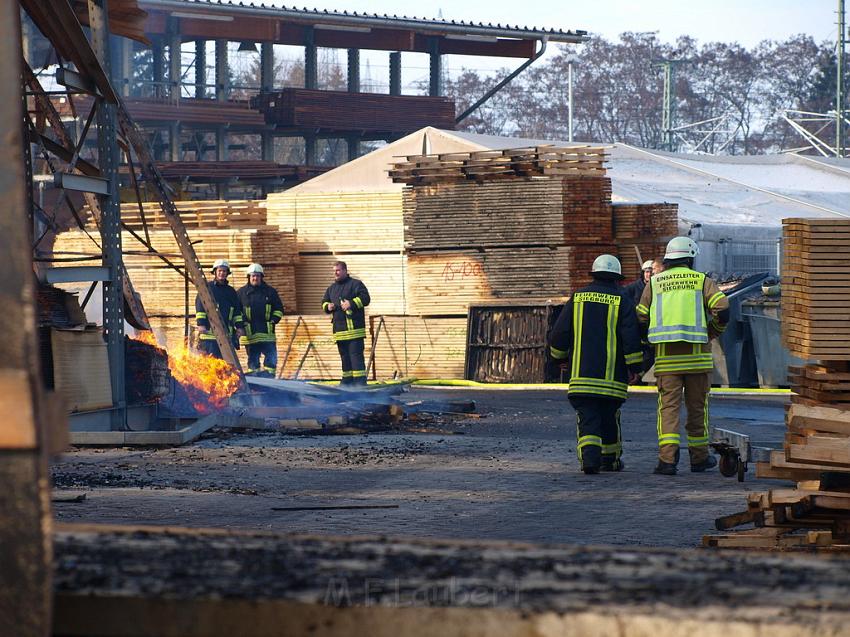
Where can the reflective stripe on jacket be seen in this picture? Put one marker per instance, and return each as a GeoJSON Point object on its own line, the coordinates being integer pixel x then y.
{"type": "Point", "coordinates": [351, 324]}
{"type": "Point", "coordinates": [598, 332]}
{"type": "Point", "coordinates": [227, 302]}
{"type": "Point", "coordinates": [263, 310]}
{"type": "Point", "coordinates": [672, 309]}
{"type": "Point", "coordinates": [678, 310]}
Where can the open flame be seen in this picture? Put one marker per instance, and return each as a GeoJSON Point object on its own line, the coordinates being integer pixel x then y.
{"type": "Point", "coordinates": [208, 381]}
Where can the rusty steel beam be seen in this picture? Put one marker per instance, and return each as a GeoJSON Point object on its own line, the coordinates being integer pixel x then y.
{"type": "Point", "coordinates": [134, 311]}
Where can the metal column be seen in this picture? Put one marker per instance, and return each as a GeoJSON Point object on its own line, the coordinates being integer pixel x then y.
{"type": "Point", "coordinates": [311, 61]}
{"type": "Point", "coordinates": [200, 69]}
{"type": "Point", "coordinates": [222, 91]}
{"type": "Point", "coordinates": [110, 229]}
{"type": "Point", "coordinates": [175, 60]}
{"type": "Point", "coordinates": [436, 84]}
{"type": "Point", "coordinates": [122, 64]}
{"type": "Point", "coordinates": [840, 99]}
{"type": "Point", "coordinates": [266, 86]}
{"type": "Point", "coordinates": [353, 140]}
{"type": "Point", "coordinates": [311, 81]}
{"type": "Point", "coordinates": [395, 73]}
{"type": "Point", "coordinates": [158, 69]}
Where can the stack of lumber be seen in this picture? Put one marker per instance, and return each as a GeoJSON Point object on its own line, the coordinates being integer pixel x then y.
{"type": "Point", "coordinates": [587, 210]}
{"type": "Point", "coordinates": [383, 275]}
{"type": "Point", "coordinates": [346, 111]}
{"type": "Point", "coordinates": [81, 369]}
{"type": "Point", "coordinates": [503, 213]}
{"type": "Point", "coordinates": [162, 289]}
{"type": "Point", "coordinates": [816, 452]}
{"type": "Point", "coordinates": [539, 161]}
{"type": "Point", "coordinates": [647, 227]}
{"type": "Point", "coordinates": [197, 214]}
{"type": "Point", "coordinates": [146, 374]}
{"type": "Point", "coordinates": [351, 221]}
{"type": "Point", "coordinates": [448, 281]}
{"type": "Point", "coordinates": [816, 288]}
{"type": "Point", "coordinates": [418, 347]}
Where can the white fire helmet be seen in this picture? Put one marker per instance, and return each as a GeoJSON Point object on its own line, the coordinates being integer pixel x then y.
{"type": "Point", "coordinates": [607, 263]}
{"type": "Point", "coordinates": [681, 248]}
{"type": "Point", "coordinates": [647, 265]}
{"type": "Point", "coordinates": [254, 268]}
{"type": "Point", "coordinates": [221, 263]}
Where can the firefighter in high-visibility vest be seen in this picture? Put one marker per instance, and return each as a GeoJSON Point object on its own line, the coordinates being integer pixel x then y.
{"type": "Point", "coordinates": [685, 310]}
{"type": "Point", "coordinates": [228, 305]}
{"type": "Point", "coordinates": [597, 333]}
{"type": "Point", "coordinates": [262, 310]}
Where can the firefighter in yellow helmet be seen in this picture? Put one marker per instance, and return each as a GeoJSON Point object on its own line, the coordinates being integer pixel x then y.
{"type": "Point", "coordinates": [263, 310]}
{"type": "Point", "coordinates": [597, 331]}
{"type": "Point", "coordinates": [685, 310]}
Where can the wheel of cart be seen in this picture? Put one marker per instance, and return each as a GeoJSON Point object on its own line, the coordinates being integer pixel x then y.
{"type": "Point", "coordinates": [735, 452]}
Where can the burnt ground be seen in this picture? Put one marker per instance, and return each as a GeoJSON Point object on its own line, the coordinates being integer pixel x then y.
{"type": "Point", "coordinates": [509, 475]}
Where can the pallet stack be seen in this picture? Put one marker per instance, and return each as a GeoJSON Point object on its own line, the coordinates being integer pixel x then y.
{"type": "Point", "coordinates": [645, 226]}
{"type": "Point", "coordinates": [816, 452]}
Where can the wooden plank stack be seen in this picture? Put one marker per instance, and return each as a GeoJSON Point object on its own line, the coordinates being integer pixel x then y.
{"type": "Point", "coordinates": [448, 281]}
{"type": "Point", "coordinates": [816, 454]}
{"type": "Point", "coordinates": [587, 210]}
{"type": "Point", "coordinates": [539, 161]}
{"type": "Point", "coordinates": [816, 288]}
{"type": "Point", "coordinates": [197, 214]}
{"type": "Point", "coordinates": [346, 111]}
{"type": "Point", "coordinates": [646, 226]}
{"type": "Point", "coordinates": [162, 289]}
{"type": "Point", "coordinates": [448, 215]}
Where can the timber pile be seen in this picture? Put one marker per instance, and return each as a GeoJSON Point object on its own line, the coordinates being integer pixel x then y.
{"type": "Point", "coordinates": [195, 214]}
{"type": "Point", "coordinates": [191, 112]}
{"type": "Point", "coordinates": [816, 288]}
{"type": "Point", "coordinates": [448, 281]}
{"type": "Point", "coordinates": [817, 440]}
{"type": "Point", "coordinates": [342, 110]}
{"type": "Point", "coordinates": [467, 214]}
{"type": "Point", "coordinates": [816, 456]}
{"type": "Point", "coordinates": [483, 165]}
{"type": "Point", "coordinates": [587, 210]}
{"type": "Point", "coordinates": [357, 221]}
{"type": "Point", "coordinates": [146, 374]}
{"type": "Point", "coordinates": [645, 226]}
{"type": "Point", "coordinates": [383, 274]}
{"type": "Point", "coordinates": [162, 289]}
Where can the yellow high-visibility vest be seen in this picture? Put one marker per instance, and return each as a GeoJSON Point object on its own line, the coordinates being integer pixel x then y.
{"type": "Point", "coordinates": [677, 312]}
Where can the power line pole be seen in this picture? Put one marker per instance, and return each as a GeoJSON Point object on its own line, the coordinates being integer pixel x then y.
{"type": "Point", "coordinates": [668, 111]}
{"type": "Point", "coordinates": [840, 137]}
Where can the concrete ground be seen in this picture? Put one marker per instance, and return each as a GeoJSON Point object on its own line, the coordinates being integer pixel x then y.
{"type": "Point", "coordinates": [510, 475]}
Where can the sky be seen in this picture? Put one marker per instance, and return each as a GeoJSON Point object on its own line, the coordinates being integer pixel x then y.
{"type": "Point", "coordinates": [744, 21]}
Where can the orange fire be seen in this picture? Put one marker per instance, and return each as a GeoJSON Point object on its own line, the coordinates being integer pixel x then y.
{"type": "Point", "coordinates": [208, 381]}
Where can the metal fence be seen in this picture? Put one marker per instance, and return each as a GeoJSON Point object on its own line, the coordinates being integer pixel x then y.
{"type": "Point", "coordinates": [750, 257]}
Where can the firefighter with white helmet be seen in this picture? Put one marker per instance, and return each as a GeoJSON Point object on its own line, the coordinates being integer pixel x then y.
{"type": "Point", "coordinates": [227, 302]}
{"type": "Point", "coordinates": [597, 334]}
{"type": "Point", "coordinates": [263, 310]}
{"type": "Point", "coordinates": [684, 310]}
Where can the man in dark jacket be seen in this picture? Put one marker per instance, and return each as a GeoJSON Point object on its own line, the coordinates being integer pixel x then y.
{"type": "Point", "coordinates": [598, 332]}
{"type": "Point", "coordinates": [228, 305]}
{"type": "Point", "coordinates": [634, 289]}
{"type": "Point", "coordinates": [344, 300]}
{"type": "Point", "coordinates": [262, 309]}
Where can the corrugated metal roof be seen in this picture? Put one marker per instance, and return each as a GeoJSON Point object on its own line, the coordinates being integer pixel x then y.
{"type": "Point", "coordinates": [416, 23]}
